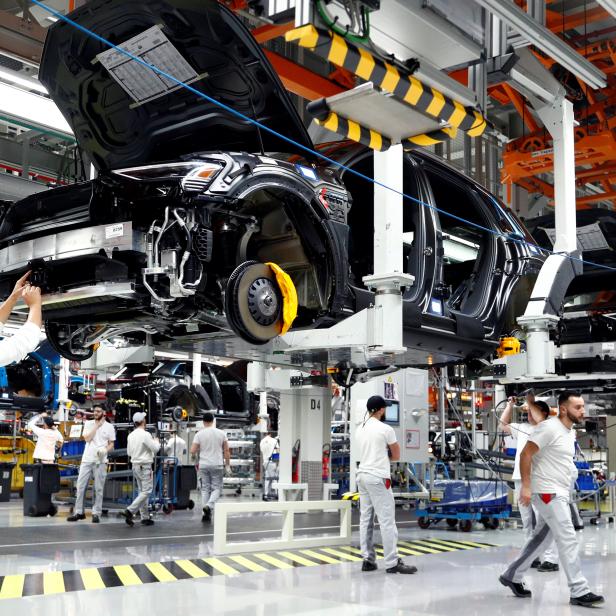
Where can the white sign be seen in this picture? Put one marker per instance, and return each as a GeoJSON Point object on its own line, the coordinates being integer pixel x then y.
{"type": "Point", "coordinates": [141, 83]}
{"type": "Point", "coordinates": [112, 231]}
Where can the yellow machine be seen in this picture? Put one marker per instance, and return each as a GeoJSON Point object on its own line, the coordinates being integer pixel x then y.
{"type": "Point", "coordinates": [508, 346]}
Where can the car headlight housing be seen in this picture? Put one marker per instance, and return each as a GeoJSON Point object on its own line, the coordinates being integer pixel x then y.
{"type": "Point", "coordinates": [193, 175]}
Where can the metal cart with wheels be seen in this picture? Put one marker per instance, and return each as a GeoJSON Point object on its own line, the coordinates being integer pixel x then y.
{"type": "Point", "coordinates": [463, 502]}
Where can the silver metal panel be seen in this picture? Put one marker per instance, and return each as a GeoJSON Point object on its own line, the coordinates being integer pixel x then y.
{"type": "Point", "coordinates": [13, 188]}
{"type": "Point", "coordinates": [585, 350]}
{"type": "Point", "coordinates": [382, 113]}
{"type": "Point", "coordinates": [68, 244]}
{"type": "Point", "coordinates": [90, 294]}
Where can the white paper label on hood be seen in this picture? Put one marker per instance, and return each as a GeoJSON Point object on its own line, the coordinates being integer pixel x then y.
{"type": "Point", "coordinates": [140, 82]}
{"type": "Point", "coordinates": [116, 230]}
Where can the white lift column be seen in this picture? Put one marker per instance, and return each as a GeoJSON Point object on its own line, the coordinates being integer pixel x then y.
{"type": "Point", "coordinates": [557, 272]}
{"type": "Point", "coordinates": [388, 278]}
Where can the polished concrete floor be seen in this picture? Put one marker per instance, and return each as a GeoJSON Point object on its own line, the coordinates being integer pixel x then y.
{"type": "Point", "coordinates": [463, 583]}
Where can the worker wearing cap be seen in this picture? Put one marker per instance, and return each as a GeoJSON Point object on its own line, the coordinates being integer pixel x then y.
{"type": "Point", "coordinates": [378, 447]}
{"type": "Point", "coordinates": [99, 436]}
{"type": "Point", "coordinates": [141, 448]}
{"type": "Point", "coordinates": [28, 336]}
{"type": "Point", "coordinates": [48, 441]}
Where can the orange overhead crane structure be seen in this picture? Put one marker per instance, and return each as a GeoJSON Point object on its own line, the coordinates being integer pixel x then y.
{"type": "Point", "coordinates": [527, 158]}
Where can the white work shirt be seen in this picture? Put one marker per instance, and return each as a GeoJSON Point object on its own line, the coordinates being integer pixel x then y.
{"type": "Point", "coordinates": [22, 342]}
{"type": "Point", "coordinates": [175, 446]}
{"type": "Point", "coordinates": [373, 438]}
{"type": "Point", "coordinates": [521, 432]}
{"type": "Point", "coordinates": [268, 446]}
{"type": "Point", "coordinates": [101, 438]}
{"type": "Point", "coordinates": [45, 449]}
{"type": "Point", "coordinates": [553, 469]}
{"type": "Point", "coordinates": [210, 441]}
{"type": "Point", "coordinates": [141, 447]}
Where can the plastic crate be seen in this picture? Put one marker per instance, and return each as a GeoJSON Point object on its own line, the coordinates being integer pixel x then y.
{"type": "Point", "coordinates": [458, 492]}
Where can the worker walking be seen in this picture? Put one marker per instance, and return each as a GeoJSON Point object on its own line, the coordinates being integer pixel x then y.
{"type": "Point", "coordinates": [547, 468]}
{"type": "Point", "coordinates": [28, 336]}
{"type": "Point", "coordinates": [212, 446]}
{"type": "Point", "coordinates": [538, 411]}
{"type": "Point", "coordinates": [49, 439]}
{"type": "Point", "coordinates": [141, 448]}
{"type": "Point", "coordinates": [378, 447]}
{"type": "Point", "coordinates": [269, 457]}
{"type": "Point", "coordinates": [99, 436]}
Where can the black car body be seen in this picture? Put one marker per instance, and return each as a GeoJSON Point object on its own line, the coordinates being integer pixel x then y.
{"type": "Point", "coordinates": [169, 384]}
{"type": "Point", "coordinates": [586, 333]}
{"type": "Point", "coordinates": [171, 239]}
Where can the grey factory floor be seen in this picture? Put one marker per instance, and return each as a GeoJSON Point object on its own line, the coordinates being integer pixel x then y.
{"type": "Point", "coordinates": [47, 563]}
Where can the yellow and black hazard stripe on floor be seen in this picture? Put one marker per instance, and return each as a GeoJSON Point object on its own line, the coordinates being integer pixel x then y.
{"type": "Point", "coordinates": [57, 582]}
{"type": "Point", "coordinates": [401, 84]}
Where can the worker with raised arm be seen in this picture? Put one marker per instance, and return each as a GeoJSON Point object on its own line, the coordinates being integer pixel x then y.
{"type": "Point", "coordinates": [378, 448]}
{"type": "Point", "coordinates": [28, 336]}
{"type": "Point", "coordinates": [99, 436]}
{"type": "Point", "coordinates": [538, 411]}
{"type": "Point", "coordinates": [48, 437]}
{"type": "Point", "coordinates": [547, 470]}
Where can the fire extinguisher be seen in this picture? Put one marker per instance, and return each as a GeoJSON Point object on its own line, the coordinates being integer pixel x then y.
{"type": "Point", "coordinates": [295, 462]}
{"type": "Point", "coordinates": [326, 455]}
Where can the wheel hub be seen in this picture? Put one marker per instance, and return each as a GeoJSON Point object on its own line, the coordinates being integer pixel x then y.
{"type": "Point", "coordinates": [263, 301]}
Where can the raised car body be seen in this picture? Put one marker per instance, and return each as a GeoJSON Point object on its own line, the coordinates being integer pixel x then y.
{"type": "Point", "coordinates": [173, 236]}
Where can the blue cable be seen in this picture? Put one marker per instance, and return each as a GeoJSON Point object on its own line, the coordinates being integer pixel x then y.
{"type": "Point", "coordinates": [307, 149]}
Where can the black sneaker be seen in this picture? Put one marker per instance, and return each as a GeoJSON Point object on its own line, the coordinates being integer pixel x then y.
{"type": "Point", "coordinates": [207, 514]}
{"type": "Point", "coordinates": [402, 568]}
{"type": "Point", "coordinates": [548, 567]}
{"type": "Point", "coordinates": [95, 519]}
{"type": "Point", "coordinates": [587, 600]}
{"type": "Point", "coordinates": [128, 517]}
{"type": "Point", "coordinates": [147, 522]}
{"type": "Point", "coordinates": [535, 564]}
{"type": "Point", "coordinates": [75, 517]}
{"type": "Point", "coordinates": [519, 590]}
{"type": "Point", "coordinates": [368, 566]}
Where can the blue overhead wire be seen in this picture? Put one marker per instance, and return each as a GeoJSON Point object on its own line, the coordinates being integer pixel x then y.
{"type": "Point", "coordinates": [510, 237]}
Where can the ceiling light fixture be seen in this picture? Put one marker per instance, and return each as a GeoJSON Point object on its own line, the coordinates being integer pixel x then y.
{"type": "Point", "coordinates": [16, 78]}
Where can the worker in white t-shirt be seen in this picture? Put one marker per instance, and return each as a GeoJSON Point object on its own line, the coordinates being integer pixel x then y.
{"type": "Point", "coordinates": [538, 411]}
{"type": "Point", "coordinates": [547, 469]}
{"type": "Point", "coordinates": [175, 447]}
{"type": "Point", "coordinates": [378, 447]}
{"type": "Point", "coordinates": [269, 448]}
{"type": "Point", "coordinates": [99, 436]}
{"type": "Point", "coordinates": [48, 437]}
{"type": "Point", "coordinates": [212, 447]}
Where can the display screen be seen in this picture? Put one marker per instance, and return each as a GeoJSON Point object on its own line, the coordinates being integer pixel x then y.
{"type": "Point", "coordinates": [392, 413]}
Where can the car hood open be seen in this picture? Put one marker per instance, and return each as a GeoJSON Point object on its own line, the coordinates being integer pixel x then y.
{"type": "Point", "coordinates": [116, 131]}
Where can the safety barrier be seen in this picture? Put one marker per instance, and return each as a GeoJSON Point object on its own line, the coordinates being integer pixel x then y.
{"type": "Point", "coordinates": [287, 539]}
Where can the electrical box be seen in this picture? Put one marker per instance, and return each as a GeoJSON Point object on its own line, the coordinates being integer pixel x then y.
{"type": "Point", "coordinates": [408, 415]}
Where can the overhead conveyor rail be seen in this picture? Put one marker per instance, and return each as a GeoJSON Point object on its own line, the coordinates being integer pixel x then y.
{"type": "Point", "coordinates": [446, 115]}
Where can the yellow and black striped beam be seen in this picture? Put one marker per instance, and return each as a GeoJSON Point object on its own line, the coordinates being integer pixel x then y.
{"type": "Point", "coordinates": [402, 85]}
{"type": "Point", "coordinates": [58, 582]}
{"type": "Point", "coordinates": [352, 496]}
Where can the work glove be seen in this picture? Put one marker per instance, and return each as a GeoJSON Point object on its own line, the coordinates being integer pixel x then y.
{"type": "Point", "coordinates": [101, 454]}
{"type": "Point", "coordinates": [228, 469]}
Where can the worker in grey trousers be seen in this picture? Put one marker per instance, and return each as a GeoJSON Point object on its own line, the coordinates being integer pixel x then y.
{"type": "Point", "coordinates": [141, 448]}
{"type": "Point", "coordinates": [99, 436]}
{"type": "Point", "coordinates": [212, 447]}
{"type": "Point", "coordinates": [547, 468]}
{"type": "Point", "coordinates": [378, 447]}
